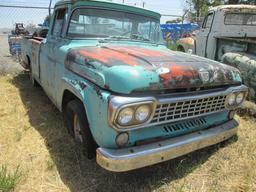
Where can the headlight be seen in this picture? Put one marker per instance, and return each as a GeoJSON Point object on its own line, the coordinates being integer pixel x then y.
{"type": "Point", "coordinates": [239, 98]}
{"type": "Point", "coordinates": [125, 116]}
{"type": "Point", "coordinates": [231, 99]}
{"type": "Point", "coordinates": [133, 115]}
{"type": "Point", "coordinates": [142, 113]}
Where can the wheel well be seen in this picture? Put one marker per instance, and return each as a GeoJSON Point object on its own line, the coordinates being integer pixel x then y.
{"type": "Point", "coordinates": [67, 97]}
{"type": "Point", "coordinates": [28, 59]}
{"type": "Point", "coordinates": [27, 65]}
{"type": "Point", "coordinates": [180, 48]}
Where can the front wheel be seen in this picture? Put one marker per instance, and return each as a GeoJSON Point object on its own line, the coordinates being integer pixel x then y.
{"type": "Point", "coordinates": [78, 127]}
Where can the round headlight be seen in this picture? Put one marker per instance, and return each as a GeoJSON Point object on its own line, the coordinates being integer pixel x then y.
{"type": "Point", "coordinates": [232, 99]}
{"type": "Point", "coordinates": [125, 116]}
{"type": "Point", "coordinates": [142, 113]}
{"type": "Point", "coordinates": [239, 98]}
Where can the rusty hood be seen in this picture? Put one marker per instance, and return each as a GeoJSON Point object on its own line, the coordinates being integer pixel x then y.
{"type": "Point", "coordinates": [127, 69]}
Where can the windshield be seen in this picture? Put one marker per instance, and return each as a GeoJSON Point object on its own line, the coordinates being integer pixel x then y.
{"type": "Point", "coordinates": [240, 19]}
{"type": "Point", "coordinates": [97, 23]}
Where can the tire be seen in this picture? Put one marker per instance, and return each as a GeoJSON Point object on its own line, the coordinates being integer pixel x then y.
{"type": "Point", "coordinates": [32, 79]}
{"type": "Point", "coordinates": [74, 115]}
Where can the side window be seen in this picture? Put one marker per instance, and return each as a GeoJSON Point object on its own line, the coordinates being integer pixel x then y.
{"type": "Point", "coordinates": [208, 21]}
{"type": "Point", "coordinates": [59, 22]}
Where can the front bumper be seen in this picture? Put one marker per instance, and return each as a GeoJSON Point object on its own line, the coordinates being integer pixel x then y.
{"type": "Point", "coordinates": [120, 160]}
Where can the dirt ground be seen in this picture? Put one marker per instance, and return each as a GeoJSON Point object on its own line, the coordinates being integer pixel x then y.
{"type": "Point", "coordinates": [33, 137]}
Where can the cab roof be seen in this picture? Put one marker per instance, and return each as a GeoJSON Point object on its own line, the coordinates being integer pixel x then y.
{"type": "Point", "coordinates": [110, 5]}
{"type": "Point", "coordinates": [235, 7]}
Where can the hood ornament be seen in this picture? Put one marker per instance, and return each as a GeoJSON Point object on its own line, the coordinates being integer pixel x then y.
{"type": "Point", "coordinates": [204, 75]}
{"type": "Point", "coordinates": [163, 70]}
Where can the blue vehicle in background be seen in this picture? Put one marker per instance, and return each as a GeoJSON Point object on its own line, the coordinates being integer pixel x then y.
{"type": "Point", "coordinates": [14, 39]}
{"type": "Point", "coordinates": [42, 30]}
{"type": "Point", "coordinates": [16, 36]}
{"type": "Point", "coordinates": [173, 32]}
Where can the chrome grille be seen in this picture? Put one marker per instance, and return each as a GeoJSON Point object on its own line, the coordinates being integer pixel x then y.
{"type": "Point", "coordinates": [186, 126]}
{"type": "Point", "coordinates": [174, 111]}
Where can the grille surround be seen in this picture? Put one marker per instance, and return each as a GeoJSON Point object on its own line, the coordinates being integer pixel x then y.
{"type": "Point", "coordinates": [167, 112]}
{"type": "Point", "coordinates": [117, 103]}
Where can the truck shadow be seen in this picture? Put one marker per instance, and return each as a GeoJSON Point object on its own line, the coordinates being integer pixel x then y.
{"type": "Point", "coordinates": [81, 174]}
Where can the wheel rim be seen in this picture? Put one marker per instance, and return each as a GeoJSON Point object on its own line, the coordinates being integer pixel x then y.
{"type": "Point", "coordinates": [77, 129]}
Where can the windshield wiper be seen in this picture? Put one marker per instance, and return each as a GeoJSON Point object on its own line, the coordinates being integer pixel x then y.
{"type": "Point", "coordinates": [139, 37]}
{"type": "Point", "coordinates": [119, 37]}
{"type": "Point", "coordinates": [114, 38]}
{"type": "Point", "coordinates": [134, 37]}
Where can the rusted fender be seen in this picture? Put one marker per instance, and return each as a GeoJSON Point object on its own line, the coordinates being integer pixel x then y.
{"type": "Point", "coordinates": [246, 63]}
{"type": "Point", "coordinates": [184, 44]}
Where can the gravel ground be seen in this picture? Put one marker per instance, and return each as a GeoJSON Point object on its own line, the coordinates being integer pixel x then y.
{"type": "Point", "coordinates": [8, 64]}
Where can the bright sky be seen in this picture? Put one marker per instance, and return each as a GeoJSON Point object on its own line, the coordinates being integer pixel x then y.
{"type": "Point", "coordinates": [8, 16]}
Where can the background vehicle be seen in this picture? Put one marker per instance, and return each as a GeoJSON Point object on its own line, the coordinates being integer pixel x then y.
{"type": "Point", "coordinates": [123, 94]}
{"type": "Point", "coordinates": [14, 39]}
{"type": "Point", "coordinates": [174, 31]}
{"type": "Point", "coordinates": [228, 35]}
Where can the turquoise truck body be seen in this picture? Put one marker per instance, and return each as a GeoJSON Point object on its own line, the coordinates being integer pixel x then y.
{"type": "Point", "coordinates": [106, 74]}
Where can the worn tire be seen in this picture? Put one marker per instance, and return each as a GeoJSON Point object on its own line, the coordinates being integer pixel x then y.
{"type": "Point", "coordinates": [73, 108]}
{"type": "Point", "coordinates": [32, 79]}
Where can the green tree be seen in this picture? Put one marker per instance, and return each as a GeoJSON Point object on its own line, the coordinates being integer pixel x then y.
{"type": "Point", "coordinates": [199, 8]}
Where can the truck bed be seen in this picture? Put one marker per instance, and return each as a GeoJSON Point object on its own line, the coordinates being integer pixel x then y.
{"type": "Point", "coordinates": [30, 48]}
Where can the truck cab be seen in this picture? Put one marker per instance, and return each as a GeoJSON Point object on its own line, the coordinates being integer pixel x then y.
{"type": "Point", "coordinates": [224, 28]}
{"type": "Point", "coordinates": [124, 96]}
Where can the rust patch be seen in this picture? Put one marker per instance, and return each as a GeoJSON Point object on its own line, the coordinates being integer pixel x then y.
{"type": "Point", "coordinates": [82, 85]}
{"type": "Point", "coordinates": [116, 55]}
{"type": "Point", "coordinates": [175, 70]}
{"type": "Point", "coordinates": [94, 56]}
{"type": "Point", "coordinates": [180, 76]}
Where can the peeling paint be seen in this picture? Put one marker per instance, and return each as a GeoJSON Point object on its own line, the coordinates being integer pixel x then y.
{"type": "Point", "coordinates": [150, 68]}
{"type": "Point", "coordinates": [82, 85]}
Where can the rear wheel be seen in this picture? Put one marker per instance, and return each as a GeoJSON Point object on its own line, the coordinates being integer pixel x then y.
{"type": "Point", "coordinates": [32, 79]}
{"type": "Point", "coordinates": [78, 127]}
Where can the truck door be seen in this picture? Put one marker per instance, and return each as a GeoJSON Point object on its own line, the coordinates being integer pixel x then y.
{"type": "Point", "coordinates": [202, 36]}
{"type": "Point", "coordinates": [50, 54]}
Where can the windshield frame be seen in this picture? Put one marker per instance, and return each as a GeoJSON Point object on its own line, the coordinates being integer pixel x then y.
{"type": "Point", "coordinates": [109, 38]}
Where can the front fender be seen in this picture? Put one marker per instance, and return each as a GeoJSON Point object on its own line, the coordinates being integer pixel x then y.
{"type": "Point", "coordinates": [71, 86]}
{"type": "Point", "coordinates": [186, 43]}
{"type": "Point", "coordinates": [95, 102]}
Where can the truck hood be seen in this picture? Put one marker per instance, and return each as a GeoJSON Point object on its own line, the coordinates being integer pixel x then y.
{"type": "Point", "coordinates": [127, 69]}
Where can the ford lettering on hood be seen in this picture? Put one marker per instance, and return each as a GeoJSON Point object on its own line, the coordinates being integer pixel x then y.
{"type": "Point", "coordinates": [125, 69]}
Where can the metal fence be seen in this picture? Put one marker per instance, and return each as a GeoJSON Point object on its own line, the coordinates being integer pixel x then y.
{"type": "Point", "coordinates": [30, 16]}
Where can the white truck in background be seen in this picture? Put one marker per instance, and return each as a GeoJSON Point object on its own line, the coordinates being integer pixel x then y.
{"type": "Point", "coordinates": [228, 34]}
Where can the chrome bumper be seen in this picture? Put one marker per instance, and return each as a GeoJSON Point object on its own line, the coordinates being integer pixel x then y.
{"type": "Point", "coordinates": [120, 160]}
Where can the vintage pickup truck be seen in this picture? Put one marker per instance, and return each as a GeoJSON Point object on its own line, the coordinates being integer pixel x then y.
{"type": "Point", "coordinates": [125, 97]}
{"type": "Point", "coordinates": [228, 34]}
